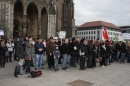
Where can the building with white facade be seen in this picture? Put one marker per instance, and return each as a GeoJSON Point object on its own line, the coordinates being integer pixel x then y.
{"type": "Point", "coordinates": [94, 30]}
{"type": "Point", "coordinates": [125, 32]}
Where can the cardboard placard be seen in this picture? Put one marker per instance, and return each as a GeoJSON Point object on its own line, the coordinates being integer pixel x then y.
{"type": "Point", "coordinates": [62, 34]}
{"type": "Point", "coordinates": [1, 32]}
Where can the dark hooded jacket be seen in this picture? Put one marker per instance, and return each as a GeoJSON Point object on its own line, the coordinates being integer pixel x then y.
{"type": "Point", "coordinates": [19, 50]}
{"type": "Point", "coordinates": [123, 48]}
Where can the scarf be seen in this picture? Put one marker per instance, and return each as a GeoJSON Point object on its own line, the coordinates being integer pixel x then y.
{"type": "Point", "coordinates": [103, 46]}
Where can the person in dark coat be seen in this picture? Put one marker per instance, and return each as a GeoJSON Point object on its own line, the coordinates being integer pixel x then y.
{"type": "Point", "coordinates": [19, 49]}
{"type": "Point", "coordinates": [103, 54]}
{"type": "Point", "coordinates": [118, 50]}
{"type": "Point", "coordinates": [3, 50]}
{"type": "Point", "coordinates": [65, 51]}
{"type": "Point", "coordinates": [82, 53]}
{"type": "Point", "coordinates": [110, 51]}
{"type": "Point", "coordinates": [16, 42]}
{"type": "Point", "coordinates": [50, 48]}
{"type": "Point", "coordinates": [91, 50]}
{"type": "Point", "coordinates": [128, 52]}
{"type": "Point", "coordinates": [123, 52]}
{"type": "Point", "coordinates": [73, 50]}
{"type": "Point", "coordinates": [94, 54]}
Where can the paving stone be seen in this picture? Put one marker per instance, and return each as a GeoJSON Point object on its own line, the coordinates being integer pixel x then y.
{"type": "Point", "coordinates": [114, 75]}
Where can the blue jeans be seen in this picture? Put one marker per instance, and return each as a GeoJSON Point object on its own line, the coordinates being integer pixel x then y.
{"type": "Point", "coordinates": [56, 63]}
{"type": "Point", "coordinates": [118, 53]}
{"type": "Point", "coordinates": [64, 60]}
{"type": "Point", "coordinates": [72, 61]}
{"type": "Point", "coordinates": [38, 60]}
{"type": "Point", "coordinates": [122, 57]}
{"type": "Point", "coordinates": [128, 60]}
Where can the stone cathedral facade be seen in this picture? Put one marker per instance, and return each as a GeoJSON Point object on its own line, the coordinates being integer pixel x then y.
{"type": "Point", "coordinates": [37, 18]}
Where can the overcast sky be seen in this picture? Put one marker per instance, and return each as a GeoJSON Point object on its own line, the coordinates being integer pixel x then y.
{"type": "Point", "coordinates": [113, 11]}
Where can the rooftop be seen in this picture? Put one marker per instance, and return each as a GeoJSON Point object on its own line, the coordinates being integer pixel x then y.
{"type": "Point", "coordinates": [98, 23]}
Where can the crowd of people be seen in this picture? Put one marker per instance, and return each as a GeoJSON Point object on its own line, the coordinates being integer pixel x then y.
{"type": "Point", "coordinates": [30, 52]}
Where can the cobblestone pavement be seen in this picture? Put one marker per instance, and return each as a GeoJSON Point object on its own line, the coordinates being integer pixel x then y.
{"type": "Point", "coordinates": [113, 75]}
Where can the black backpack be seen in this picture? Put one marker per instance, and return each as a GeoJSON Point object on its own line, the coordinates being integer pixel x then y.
{"type": "Point", "coordinates": [35, 73]}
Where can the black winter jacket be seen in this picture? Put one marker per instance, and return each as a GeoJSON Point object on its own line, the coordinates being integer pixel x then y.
{"type": "Point", "coordinates": [3, 50]}
{"type": "Point", "coordinates": [110, 49]}
{"type": "Point", "coordinates": [39, 46]}
{"type": "Point", "coordinates": [73, 49]}
{"type": "Point", "coordinates": [102, 51]}
{"type": "Point", "coordinates": [123, 48]}
{"type": "Point", "coordinates": [65, 48]}
{"type": "Point", "coordinates": [19, 50]}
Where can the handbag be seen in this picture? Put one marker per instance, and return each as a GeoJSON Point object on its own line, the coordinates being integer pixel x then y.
{"type": "Point", "coordinates": [36, 74]}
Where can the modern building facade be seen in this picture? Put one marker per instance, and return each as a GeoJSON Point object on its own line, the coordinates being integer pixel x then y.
{"type": "Point", "coordinates": [125, 32]}
{"type": "Point", "coordinates": [37, 18]}
{"type": "Point", "coordinates": [94, 30]}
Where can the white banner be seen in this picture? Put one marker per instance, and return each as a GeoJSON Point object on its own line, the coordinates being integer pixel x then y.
{"type": "Point", "coordinates": [120, 38]}
{"type": "Point", "coordinates": [62, 34]}
{"type": "Point", "coordinates": [1, 32]}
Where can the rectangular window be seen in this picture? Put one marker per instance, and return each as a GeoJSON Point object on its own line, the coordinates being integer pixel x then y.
{"type": "Point", "coordinates": [87, 37]}
{"type": "Point", "coordinates": [94, 32]}
{"type": "Point", "coordinates": [98, 32]}
{"type": "Point", "coordinates": [94, 37]}
{"type": "Point", "coordinates": [91, 32]}
{"type": "Point", "coordinates": [91, 37]}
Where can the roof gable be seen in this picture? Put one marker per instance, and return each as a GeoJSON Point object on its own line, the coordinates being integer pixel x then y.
{"type": "Point", "coordinates": [98, 23]}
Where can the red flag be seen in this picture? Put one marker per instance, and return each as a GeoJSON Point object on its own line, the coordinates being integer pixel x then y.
{"type": "Point", "coordinates": [105, 34]}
